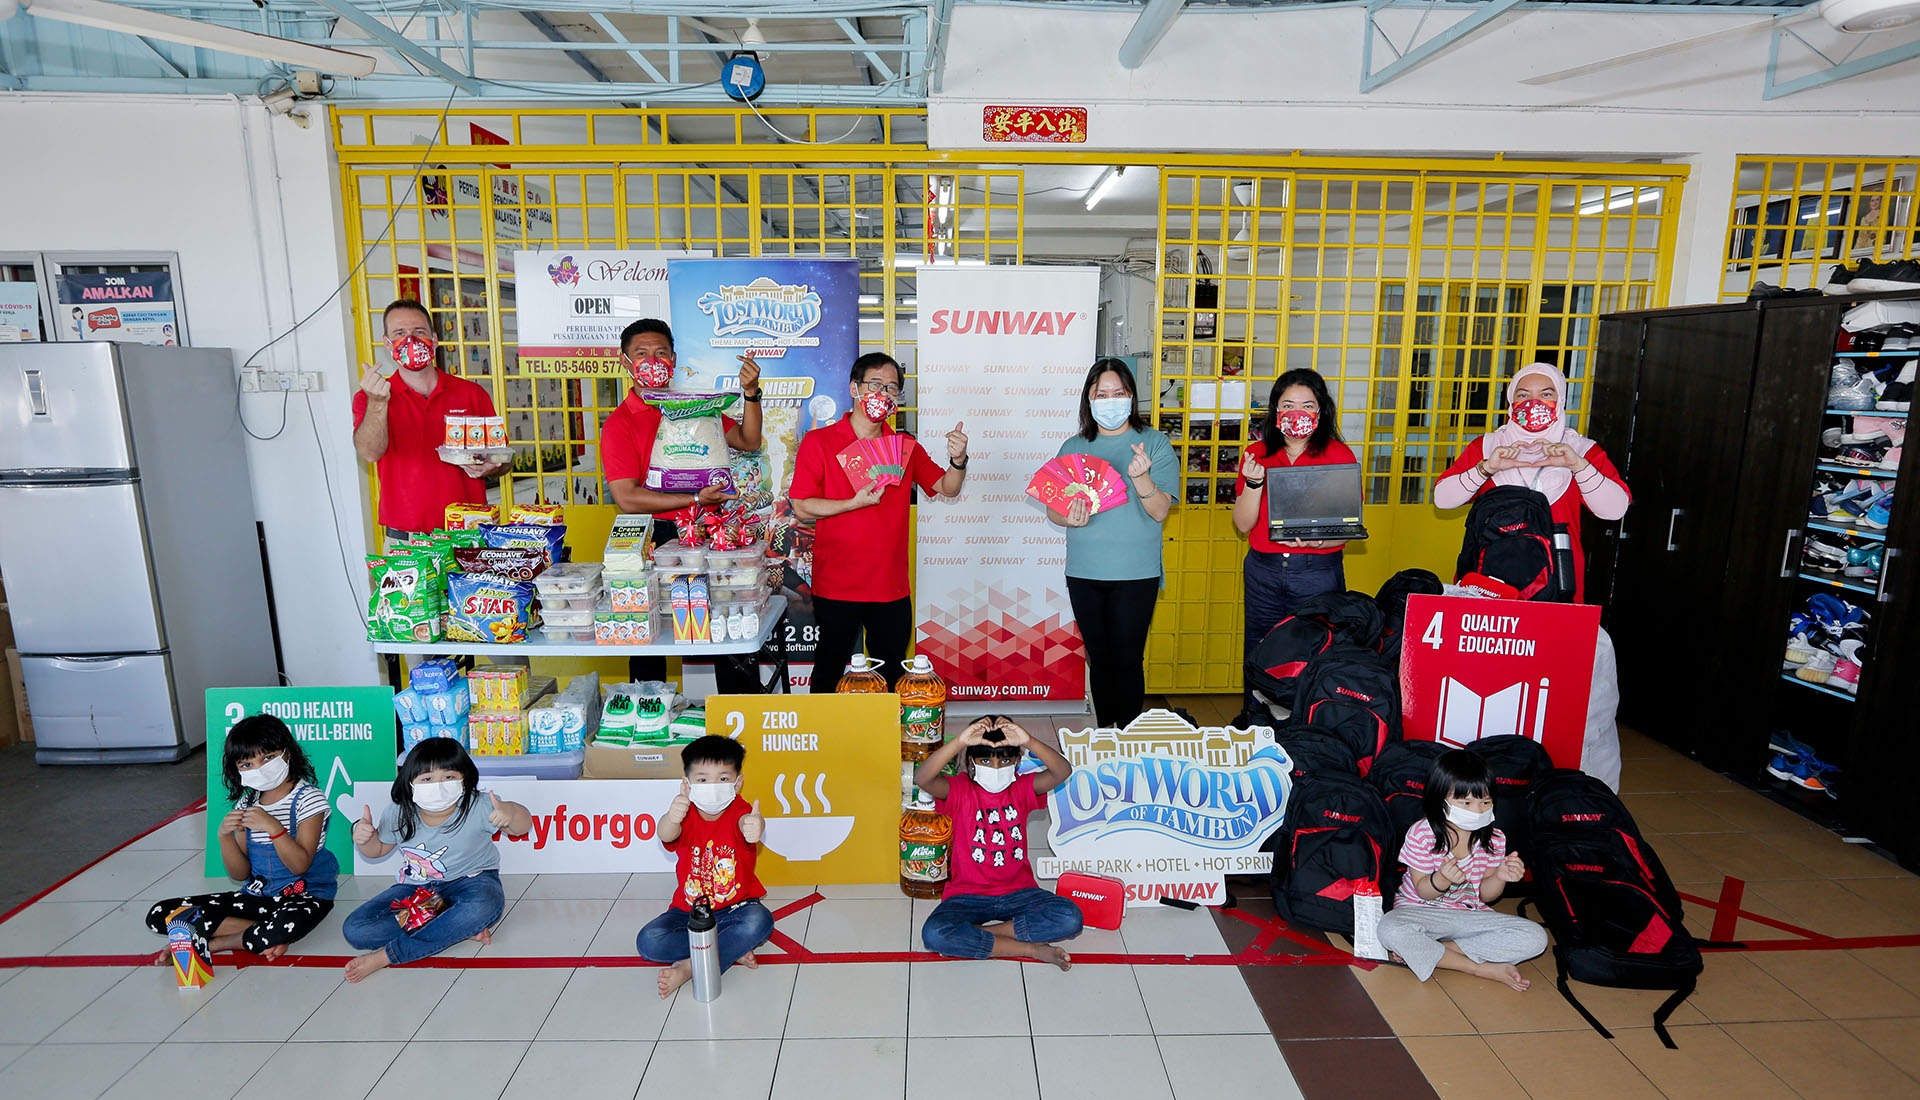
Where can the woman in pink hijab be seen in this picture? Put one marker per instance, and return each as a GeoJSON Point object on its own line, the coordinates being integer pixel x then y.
{"type": "Point", "coordinates": [1536, 449]}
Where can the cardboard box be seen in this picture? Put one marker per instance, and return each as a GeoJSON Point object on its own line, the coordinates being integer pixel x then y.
{"type": "Point", "coordinates": [633, 762]}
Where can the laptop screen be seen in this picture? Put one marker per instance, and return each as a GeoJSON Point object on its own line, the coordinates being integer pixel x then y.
{"type": "Point", "coordinates": [1314, 494]}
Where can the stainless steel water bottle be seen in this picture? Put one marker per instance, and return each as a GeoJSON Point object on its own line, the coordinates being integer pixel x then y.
{"type": "Point", "coordinates": [703, 951]}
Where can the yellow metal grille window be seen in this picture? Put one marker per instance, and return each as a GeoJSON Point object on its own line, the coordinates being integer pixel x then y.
{"type": "Point", "coordinates": [1793, 221]}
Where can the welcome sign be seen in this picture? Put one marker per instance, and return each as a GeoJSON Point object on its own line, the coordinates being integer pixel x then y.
{"type": "Point", "coordinates": [1168, 808]}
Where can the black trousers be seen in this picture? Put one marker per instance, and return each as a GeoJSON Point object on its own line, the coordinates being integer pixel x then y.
{"type": "Point", "coordinates": [1114, 617]}
{"type": "Point", "coordinates": [888, 628]}
{"type": "Point", "coordinates": [275, 920]}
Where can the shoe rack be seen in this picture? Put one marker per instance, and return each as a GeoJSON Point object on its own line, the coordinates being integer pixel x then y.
{"type": "Point", "coordinates": [1765, 579]}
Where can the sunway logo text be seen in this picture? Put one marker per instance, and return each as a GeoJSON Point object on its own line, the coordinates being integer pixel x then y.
{"type": "Point", "coordinates": [1002, 322]}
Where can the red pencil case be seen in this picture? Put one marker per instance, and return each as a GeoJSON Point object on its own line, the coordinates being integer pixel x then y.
{"type": "Point", "coordinates": [1102, 898]}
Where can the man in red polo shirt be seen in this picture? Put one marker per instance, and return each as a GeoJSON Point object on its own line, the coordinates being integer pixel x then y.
{"type": "Point", "coordinates": [398, 427]}
{"type": "Point", "coordinates": [626, 453]}
{"type": "Point", "coordinates": [860, 536]}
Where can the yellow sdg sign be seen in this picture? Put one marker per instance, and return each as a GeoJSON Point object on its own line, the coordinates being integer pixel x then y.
{"type": "Point", "coordinates": [826, 771]}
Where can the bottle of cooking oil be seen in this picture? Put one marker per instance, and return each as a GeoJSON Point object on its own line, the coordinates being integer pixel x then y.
{"type": "Point", "coordinates": [862, 677]}
{"type": "Point", "coordinates": [923, 704]}
{"type": "Point", "coordinates": [926, 839]}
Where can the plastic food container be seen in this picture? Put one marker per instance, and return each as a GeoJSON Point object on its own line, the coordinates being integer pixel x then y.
{"type": "Point", "coordinates": [555, 633]}
{"type": "Point", "coordinates": [678, 558]}
{"type": "Point", "coordinates": [538, 765]}
{"type": "Point", "coordinates": [569, 578]}
{"type": "Point", "coordinates": [582, 602]}
{"type": "Point", "coordinates": [737, 594]}
{"type": "Point", "coordinates": [574, 618]}
{"type": "Point", "coordinates": [736, 567]}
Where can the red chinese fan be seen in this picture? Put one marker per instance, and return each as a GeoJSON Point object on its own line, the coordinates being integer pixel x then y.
{"type": "Point", "coordinates": [1063, 478]}
{"type": "Point", "coordinates": [881, 460]}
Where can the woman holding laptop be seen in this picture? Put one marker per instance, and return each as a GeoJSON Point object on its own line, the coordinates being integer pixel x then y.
{"type": "Point", "coordinates": [1302, 430]}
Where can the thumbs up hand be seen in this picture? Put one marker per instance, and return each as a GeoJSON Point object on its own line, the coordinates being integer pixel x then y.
{"type": "Point", "coordinates": [498, 816]}
{"type": "Point", "coordinates": [682, 802]}
{"type": "Point", "coordinates": [363, 829]}
{"type": "Point", "coordinates": [753, 826]}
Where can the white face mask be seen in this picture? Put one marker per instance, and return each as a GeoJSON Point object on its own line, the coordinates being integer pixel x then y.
{"type": "Point", "coordinates": [711, 798]}
{"type": "Point", "coordinates": [434, 797]}
{"type": "Point", "coordinates": [1463, 818]}
{"type": "Point", "coordinates": [267, 776]}
{"type": "Point", "coordinates": [995, 780]}
{"type": "Point", "coordinates": [1111, 412]}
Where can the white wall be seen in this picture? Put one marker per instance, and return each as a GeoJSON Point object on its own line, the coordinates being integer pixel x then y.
{"type": "Point", "coordinates": [1278, 81]}
{"type": "Point", "coordinates": [249, 202]}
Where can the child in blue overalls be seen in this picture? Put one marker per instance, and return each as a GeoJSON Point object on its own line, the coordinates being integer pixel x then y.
{"type": "Point", "coordinates": [274, 840]}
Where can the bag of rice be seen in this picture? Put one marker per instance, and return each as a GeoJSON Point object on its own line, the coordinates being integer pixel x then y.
{"type": "Point", "coordinates": [690, 449]}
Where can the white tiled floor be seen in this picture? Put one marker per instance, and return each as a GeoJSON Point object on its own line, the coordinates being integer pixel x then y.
{"type": "Point", "coordinates": [889, 1029]}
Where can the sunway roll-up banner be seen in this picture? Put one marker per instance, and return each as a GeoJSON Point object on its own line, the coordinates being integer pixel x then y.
{"type": "Point", "coordinates": [1003, 351]}
{"type": "Point", "coordinates": [800, 319]}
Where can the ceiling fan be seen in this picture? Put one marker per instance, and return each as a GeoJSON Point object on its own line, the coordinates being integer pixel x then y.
{"type": "Point", "coordinates": [1851, 16]}
{"type": "Point", "coordinates": [189, 32]}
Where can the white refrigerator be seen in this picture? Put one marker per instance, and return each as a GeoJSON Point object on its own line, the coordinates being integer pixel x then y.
{"type": "Point", "coordinates": [128, 546]}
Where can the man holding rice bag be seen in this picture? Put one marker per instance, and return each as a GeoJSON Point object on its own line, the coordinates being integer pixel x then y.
{"type": "Point", "coordinates": [398, 428]}
{"type": "Point", "coordinates": [627, 438]}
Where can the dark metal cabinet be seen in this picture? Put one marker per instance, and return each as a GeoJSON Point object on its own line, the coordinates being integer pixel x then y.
{"type": "Point", "coordinates": [1722, 408]}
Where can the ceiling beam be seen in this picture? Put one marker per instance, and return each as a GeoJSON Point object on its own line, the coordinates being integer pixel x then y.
{"type": "Point", "coordinates": [853, 35]}
{"type": "Point", "coordinates": [401, 45]}
{"type": "Point", "coordinates": [607, 28]}
{"type": "Point", "coordinates": [1156, 18]}
{"type": "Point", "coordinates": [1481, 15]}
{"type": "Point", "coordinates": [1833, 74]}
{"type": "Point", "coordinates": [545, 26]}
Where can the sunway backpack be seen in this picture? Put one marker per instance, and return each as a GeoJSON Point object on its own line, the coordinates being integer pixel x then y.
{"type": "Point", "coordinates": [1315, 751]}
{"type": "Point", "coordinates": [1335, 837]}
{"type": "Point", "coordinates": [1613, 911]}
{"type": "Point", "coordinates": [1517, 764]}
{"type": "Point", "coordinates": [1510, 537]}
{"type": "Point", "coordinates": [1350, 691]}
{"type": "Point", "coordinates": [1400, 773]}
{"type": "Point", "coordinates": [1392, 601]}
{"type": "Point", "coordinates": [1277, 660]}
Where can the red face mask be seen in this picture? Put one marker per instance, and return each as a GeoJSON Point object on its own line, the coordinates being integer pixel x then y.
{"type": "Point", "coordinates": [877, 406]}
{"type": "Point", "coordinates": [1534, 415]}
{"type": "Point", "coordinates": [411, 352]}
{"type": "Point", "coordinates": [1299, 423]}
{"type": "Point", "coordinates": [650, 372]}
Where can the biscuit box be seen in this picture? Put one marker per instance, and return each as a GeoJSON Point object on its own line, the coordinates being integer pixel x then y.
{"type": "Point", "coordinates": [1101, 898]}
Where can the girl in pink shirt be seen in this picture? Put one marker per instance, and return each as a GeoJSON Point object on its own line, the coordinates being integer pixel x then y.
{"type": "Point", "coordinates": [1457, 867]}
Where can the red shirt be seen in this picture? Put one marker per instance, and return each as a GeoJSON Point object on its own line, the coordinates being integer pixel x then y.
{"type": "Point", "coordinates": [989, 853]}
{"type": "Point", "coordinates": [1565, 511]}
{"type": "Point", "coordinates": [715, 861]}
{"type": "Point", "coordinates": [626, 443]}
{"type": "Point", "coordinates": [1336, 454]}
{"type": "Point", "coordinates": [416, 485]}
{"type": "Point", "coordinates": [859, 555]}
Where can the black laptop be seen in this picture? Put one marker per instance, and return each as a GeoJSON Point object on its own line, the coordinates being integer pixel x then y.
{"type": "Point", "coordinates": [1314, 502]}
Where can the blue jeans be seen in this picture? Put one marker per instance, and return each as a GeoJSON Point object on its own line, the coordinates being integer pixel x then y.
{"type": "Point", "coordinates": [953, 928]}
{"type": "Point", "coordinates": [1276, 584]}
{"type": "Point", "coordinates": [473, 903]}
{"type": "Point", "coordinates": [743, 926]}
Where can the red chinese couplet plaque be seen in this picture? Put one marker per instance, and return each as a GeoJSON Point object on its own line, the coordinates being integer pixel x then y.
{"type": "Point", "coordinates": [1066, 125]}
{"type": "Point", "coordinates": [1473, 668]}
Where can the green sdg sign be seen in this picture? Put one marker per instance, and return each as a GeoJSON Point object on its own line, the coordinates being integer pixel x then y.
{"type": "Point", "coordinates": [346, 732]}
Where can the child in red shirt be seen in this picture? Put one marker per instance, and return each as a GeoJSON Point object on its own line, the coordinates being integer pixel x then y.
{"type": "Point", "coordinates": [992, 883]}
{"type": "Point", "coordinates": [715, 849]}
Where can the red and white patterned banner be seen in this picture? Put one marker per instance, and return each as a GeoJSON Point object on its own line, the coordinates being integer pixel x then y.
{"type": "Point", "coordinates": [1003, 350]}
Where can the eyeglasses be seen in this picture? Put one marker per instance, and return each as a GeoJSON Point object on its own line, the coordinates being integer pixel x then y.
{"type": "Point", "coordinates": [887, 388]}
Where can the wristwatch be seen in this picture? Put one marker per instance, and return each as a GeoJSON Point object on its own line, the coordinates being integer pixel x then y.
{"type": "Point", "coordinates": [959, 463]}
{"type": "Point", "coordinates": [753, 398]}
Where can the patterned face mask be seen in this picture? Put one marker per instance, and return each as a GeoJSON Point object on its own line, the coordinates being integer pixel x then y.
{"type": "Point", "coordinates": [1534, 415]}
{"type": "Point", "coordinates": [1299, 423]}
{"type": "Point", "coordinates": [877, 406]}
{"type": "Point", "coordinates": [411, 352]}
{"type": "Point", "coordinates": [650, 372]}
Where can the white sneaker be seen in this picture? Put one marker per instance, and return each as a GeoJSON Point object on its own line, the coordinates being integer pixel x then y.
{"type": "Point", "coordinates": [1800, 651]}
{"type": "Point", "coordinates": [1817, 669]}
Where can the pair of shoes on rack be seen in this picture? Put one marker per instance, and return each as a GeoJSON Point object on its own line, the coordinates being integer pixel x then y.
{"type": "Point", "coordinates": [1864, 562]}
{"type": "Point", "coordinates": [1871, 278]}
{"type": "Point", "coordinates": [1794, 762]}
{"type": "Point", "coordinates": [1849, 390]}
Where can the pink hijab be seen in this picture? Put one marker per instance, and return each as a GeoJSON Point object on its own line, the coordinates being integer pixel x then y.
{"type": "Point", "coordinates": [1550, 481]}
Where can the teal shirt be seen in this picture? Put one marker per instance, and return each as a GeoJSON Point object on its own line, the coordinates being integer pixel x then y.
{"type": "Point", "coordinates": [1123, 543]}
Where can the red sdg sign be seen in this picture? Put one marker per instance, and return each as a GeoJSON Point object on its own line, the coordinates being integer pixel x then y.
{"type": "Point", "coordinates": [1472, 668]}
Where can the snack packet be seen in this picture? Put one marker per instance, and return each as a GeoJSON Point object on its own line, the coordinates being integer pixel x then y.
{"type": "Point", "coordinates": [547, 514]}
{"type": "Point", "coordinates": [510, 564]}
{"type": "Point", "coordinates": [417, 908]}
{"type": "Point", "coordinates": [550, 540]}
{"type": "Point", "coordinates": [484, 608]}
{"type": "Point", "coordinates": [464, 517]}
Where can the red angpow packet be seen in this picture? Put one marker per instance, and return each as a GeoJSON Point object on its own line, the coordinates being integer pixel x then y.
{"type": "Point", "coordinates": [418, 908]}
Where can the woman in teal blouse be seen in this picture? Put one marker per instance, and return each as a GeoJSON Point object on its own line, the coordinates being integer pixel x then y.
{"type": "Point", "coordinates": [1113, 556]}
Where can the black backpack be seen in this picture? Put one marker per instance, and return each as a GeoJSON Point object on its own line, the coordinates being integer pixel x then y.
{"type": "Point", "coordinates": [1331, 618]}
{"type": "Point", "coordinates": [1335, 836]}
{"type": "Point", "coordinates": [1316, 751]}
{"type": "Point", "coordinates": [1517, 764]}
{"type": "Point", "coordinates": [1392, 601]}
{"type": "Point", "coordinates": [1350, 691]}
{"type": "Point", "coordinates": [1400, 773]}
{"type": "Point", "coordinates": [1510, 537]}
{"type": "Point", "coordinates": [1615, 916]}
